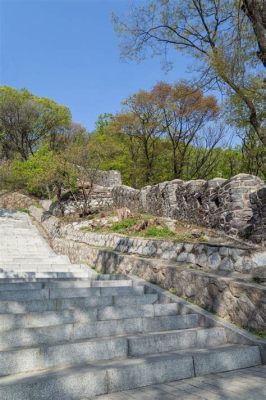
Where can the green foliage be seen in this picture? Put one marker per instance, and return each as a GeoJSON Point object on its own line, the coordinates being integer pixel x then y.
{"type": "Point", "coordinates": [260, 334]}
{"type": "Point", "coordinates": [158, 232]}
{"type": "Point", "coordinates": [124, 225]}
{"type": "Point", "coordinates": [26, 120]}
{"type": "Point", "coordinates": [24, 210]}
{"type": "Point", "coordinates": [173, 291]}
{"type": "Point", "coordinates": [42, 173]}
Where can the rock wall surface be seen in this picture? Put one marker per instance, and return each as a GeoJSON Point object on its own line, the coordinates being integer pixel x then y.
{"type": "Point", "coordinates": [16, 200]}
{"type": "Point", "coordinates": [211, 257]}
{"type": "Point", "coordinates": [239, 301]}
{"type": "Point", "coordinates": [237, 205]}
{"type": "Point", "coordinates": [108, 178]}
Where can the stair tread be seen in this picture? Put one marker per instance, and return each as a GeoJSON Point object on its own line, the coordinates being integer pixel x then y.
{"type": "Point", "coordinates": [120, 362]}
{"type": "Point", "coordinates": [104, 338]}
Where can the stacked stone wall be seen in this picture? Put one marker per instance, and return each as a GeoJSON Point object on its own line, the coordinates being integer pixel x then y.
{"type": "Point", "coordinates": [16, 200]}
{"type": "Point", "coordinates": [108, 178]}
{"type": "Point", "coordinates": [236, 206]}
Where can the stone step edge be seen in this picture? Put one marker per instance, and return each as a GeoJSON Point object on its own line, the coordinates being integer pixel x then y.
{"type": "Point", "coordinates": [50, 294]}
{"type": "Point", "coordinates": [103, 373]}
{"type": "Point", "coordinates": [129, 320]}
{"type": "Point", "coordinates": [127, 336]}
{"type": "Point", "coordinates": [53, 305]}
{"type": "Point", "coordinates": [95, 283]}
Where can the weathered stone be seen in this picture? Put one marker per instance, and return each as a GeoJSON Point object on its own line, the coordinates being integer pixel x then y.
{"type": "Point", "coordinates": [214, 261]}
{"type": "Point", "coordinates": [230, 205]}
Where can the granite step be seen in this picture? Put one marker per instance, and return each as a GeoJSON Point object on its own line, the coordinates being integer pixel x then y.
{"type": "Point", "coordinates": [23, 359]}
{"type": "Point", "coordinates": [51, 293]}
{"type": "Point", "coordinates": [61, 284]}
{"type": "Point", "coordinates": [76, 331]}
{"type": "Point", "coordinates": [88, 380]}
{"type": "Point", "coordinates": [49, 318]}
{"type": "Point", "coordinates": [32, 275]}
{"type": "Point", "coordinates": [22, 307]}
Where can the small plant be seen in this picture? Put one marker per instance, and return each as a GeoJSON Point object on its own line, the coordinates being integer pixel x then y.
{"type": "Point", "coordinates": [123, 225]}
{"type": "Point", "coordinates": [158, 231]}
{"type": "Point", "coordinates": [24, 210]}
{"type": "Point", "coordinates": [96, 228]}
{"type": "Point", "coordinates": [173, 291]}
{"type": "Point", "coordinates": [261, 334]}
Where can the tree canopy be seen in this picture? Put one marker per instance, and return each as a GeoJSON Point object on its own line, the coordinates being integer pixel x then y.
{"type": "Point", "coordinates": [26, 120]}
{"type": "Point", "coordinates": [222, 35]}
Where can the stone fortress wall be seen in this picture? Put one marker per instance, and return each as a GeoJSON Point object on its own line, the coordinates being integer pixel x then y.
{"type": "Point", "coordinates": [108, 178]}
{"type": "Point", "coordinates": [236, 206]}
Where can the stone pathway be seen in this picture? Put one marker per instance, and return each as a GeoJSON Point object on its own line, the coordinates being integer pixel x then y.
{"type": "Point", "coordinates": [67, 334]}
{"type": "Point", "coordinates": [244, 384]}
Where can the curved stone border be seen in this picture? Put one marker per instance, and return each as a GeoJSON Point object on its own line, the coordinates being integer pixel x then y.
{"type": "Point", "coordinates": [212, 257]}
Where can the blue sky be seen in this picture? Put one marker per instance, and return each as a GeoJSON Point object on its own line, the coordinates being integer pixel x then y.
{"type": "Point", "coordinates": [67, 50]}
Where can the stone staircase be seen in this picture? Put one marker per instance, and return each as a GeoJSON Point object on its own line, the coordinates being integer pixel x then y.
{"type": "Point", "coordinates": [67, 333]}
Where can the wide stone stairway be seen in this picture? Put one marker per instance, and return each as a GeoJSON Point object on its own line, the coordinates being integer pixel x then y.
{"type": "Point", "coordinates": [68, 333]}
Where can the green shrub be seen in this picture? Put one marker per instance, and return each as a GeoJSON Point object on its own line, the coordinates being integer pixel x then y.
{"type": "Point", "coordinates": [158, 231]}
{"type": "Point", "coordinates": [123, 225]}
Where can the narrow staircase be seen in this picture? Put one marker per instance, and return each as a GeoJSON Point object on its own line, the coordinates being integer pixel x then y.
{"type": "Point", "coordinates": [67, 333]}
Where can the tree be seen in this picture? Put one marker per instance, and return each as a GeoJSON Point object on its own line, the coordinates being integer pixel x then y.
{"type": "Point", "coordinates": [185, 111]}
{"type": "Point", "coordinates": [141, 123]}
{"type": "Point", "coordinates": [26, 120]}
{"type": "Point", "coordinates": [215, 32]}
{"type": "Point", "coordinates": [256, 12]}
{"type": "Point", "coordinates": [86, 167]}
{"type": "Point", "coordinates": [45, 173]}
{"type": "Point", "coordinates": [69, 134]}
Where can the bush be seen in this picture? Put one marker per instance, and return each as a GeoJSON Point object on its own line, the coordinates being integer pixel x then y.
{"type": "Point", "coordinates": [158, 231]}
{"type": "Point", "coordinates": [44, 172]}
{"type": "Point", "coordinates": [124, 225]}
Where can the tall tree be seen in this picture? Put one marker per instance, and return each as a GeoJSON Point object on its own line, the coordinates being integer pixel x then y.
{"type": "Point", "coordinates": [256, 12]}
{"type": "Point", "coordinates": [185, 111]}
{"type": "Point", "coordinates": [26, 120]}
{"type": "Point", "coordinates": [141, 123]}
{"type": "Point", "coordinates": [217, 33]}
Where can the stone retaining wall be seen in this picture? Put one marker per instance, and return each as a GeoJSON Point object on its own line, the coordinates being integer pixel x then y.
{"type": "Point", "coordinates": [208, 256]}
{"type": "Point", "coordinates": [240, 302]}
{"type": "Point", "coordinates": [16, 200]}
{"type": "Point", "coordinates": [236, 206]}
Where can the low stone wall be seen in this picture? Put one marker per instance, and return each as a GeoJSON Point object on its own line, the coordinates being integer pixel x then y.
{"type": "Point", "coordinates": [240, 302]}
{"type": "Point", "coordinates": [208, 256]}
{"type": "Point", "coordinates": [16, 200]}
{"type": "Point", "coordinates": [237, 206]}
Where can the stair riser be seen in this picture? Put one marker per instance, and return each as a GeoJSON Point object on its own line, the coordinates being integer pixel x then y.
{"type": "Point", "coordinates": [16, 321]}
{"type": "Point", "coordinates": [77, 331]}
{"type": "Point", "coordinates": [45, 275]}
{"type": "Point", "coordinates": [60, 284]}
{"type": "Point", "coordinates": [23, 360]}
{"type": "Point", "coordinates": [63, 386]}
{"type": "Point", "coordinates": [57, 293]}
{"type": "Point", "coordinates": [66, 387]}
{"type": "Point", "coordinates": [75, 353]}
{"type": "Point", "coordinates": [91, 383]}
{"type": "Point", "coordinates": [174, 341]}
{"type": "Point", "coordinates": [22, 307]}
{"type": "Point", "coordinates": [134, 312]}
{"type": "Point", "coordinates": [232, 359]}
